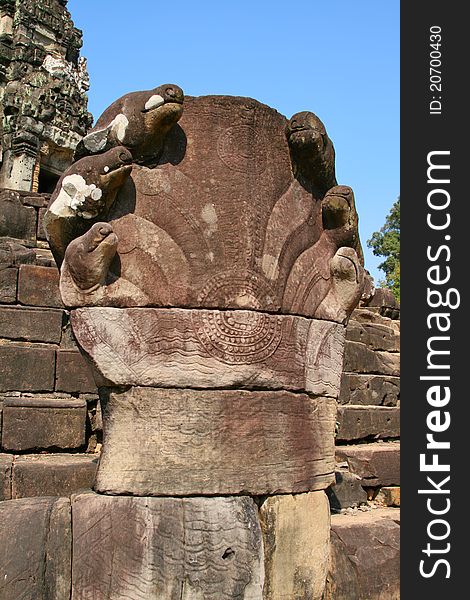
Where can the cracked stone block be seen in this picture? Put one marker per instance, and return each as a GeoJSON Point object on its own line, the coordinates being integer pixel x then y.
{"type": "Point", "coordinates": [229, 442]}
{"type": "Point", "coordinates": [68, 341]}
{"type": "Point", "coordinates": [377, 390]}
{"type": "Point", "coordinates": [296, 534]}
{"type": "Point", "coordinates": [35, 549]}
{"type": "Point", "coordinates": [362, 422]}
{"type": "Point", "coordinates": [30, 423]}
{"type": "Point", "coordinates": [375, 336]}
{"type": "Point", "coordinates": [377, 464]}
{"type": "Point", "coordinates": [365, 556]}
{"type": "Point", "coordinates": [39, 200]}
{"type": "Point", "coordinates": [26, 368]}
{"type": "Point", "coordinates": [74, 373]}
{"type": "Point", "coordinates": [207, 548]}
{"type": "Point", "coordinates": [13, 253]}
{"type": "Point", "coordinates": [41, 233]}
{"type": "Point", "coordinates": [358, 358]}
{"type": "Point", "coordinates": [39, 286]}
{"type": "Point", "coordinates": [372, 315]}
{"type": "Point", "coordinates": [31, 324]}
{"type": "Point", "coordinates": [52, 475]}
{"type": "Point", "coordinates": [6, 462]}
{"type": "Point", "coordinates": [16, 221]}
{"type": "Point", "coordinates": [8, 284]}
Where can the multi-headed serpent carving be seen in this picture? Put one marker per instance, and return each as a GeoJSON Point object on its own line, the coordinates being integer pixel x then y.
{"type": "Point", "coordinates": [240, 209]}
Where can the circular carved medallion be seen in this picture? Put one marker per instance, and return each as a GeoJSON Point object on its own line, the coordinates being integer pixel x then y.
{"type": "Point", "coordinates": [241, 148]}
{"type": "Point", "coordinates": [239, 336]}
{"type": "Point", "coordinates": [239, 289]}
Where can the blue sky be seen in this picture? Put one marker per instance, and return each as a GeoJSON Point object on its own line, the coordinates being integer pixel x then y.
{"type": "Point", "coordinates": [337, 58]}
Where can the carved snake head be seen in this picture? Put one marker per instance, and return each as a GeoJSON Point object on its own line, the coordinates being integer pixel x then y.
{"type": "Point", "coordinates": [88, 257]}
{"type": "Point", "coordinates": [312, 150]}
{"type": "Point", "coordinates": [340, 218]}
{"type": "Point", "coordinates": [89, 186]}
{"type": "Point", "coordinates": [139, 121]}
{"type": "Point", "coordinates": [347, 280]}
{"type": "Point", "coordinates": [306, 131]}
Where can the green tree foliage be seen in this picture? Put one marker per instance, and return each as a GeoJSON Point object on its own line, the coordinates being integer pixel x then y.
{"type": "Point", "coordinates": [386, 242]}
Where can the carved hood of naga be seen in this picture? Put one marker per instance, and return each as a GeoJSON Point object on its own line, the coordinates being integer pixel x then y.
{"type": "Point", "coordinates": [238, 209]}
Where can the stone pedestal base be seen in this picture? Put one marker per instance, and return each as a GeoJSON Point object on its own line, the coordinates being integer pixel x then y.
{"type": "Point", "coordinates": [166, 548]}
{"type": "Point", "coordinates": [128, 548]}
{"type": "Point", "coordinates": [163, 442]}
{"type": "Point", "coordinates": [200, 548]}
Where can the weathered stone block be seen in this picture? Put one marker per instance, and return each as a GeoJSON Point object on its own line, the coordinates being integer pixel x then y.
{"type": "Point", "coordinates": [74, 373]}
{"type": "Point", "coordinates": [44, 257]}
{"type": "Point", "coordinates": [37, 200]}
{"type": "Point", "coordinates": [13, 254]}
{"type": "Point", "coordinates": [41, 233]}
{"type": "Point", "coordinates": [372, 315]}
{"type": "Point", "coordinates": [43, 423]}
{"type": "Point", "coordinates": [32, 324]}
{"type": "Point", "coordinates": [365, 557]}
{"type": "Point", "coordinates": [138, 548]}
{"type": "Point", "coordinates": [379, 390]}
{"type": "Point", "coordinates": [16, 220]}
{"type": "Point", "coordinates": [389, 313]}
{"type": "Point", "coordinates": [39, 286]}
{"type": "Point", "coordinates": [384, 297]}
{"type": "Point", "coordinates": [358, 358]}
{"type": "Point", "coordinates": [53, 474]}
{"type": "Point", "coordinates": [26, 369]}
{"type": "Point", "coordinates": [376, 464]}
{"type": "Point", "coordinates": [361, 422]}
{"type": "Point", "coordinates": [374, 336]}
{"type": "Point", "coordinates": [296, 534]}
{"type": "Point", "coordinates": [388, 496]}
{"type": "Point", "coordinates": [8, 284]}
{"type": "Point", "coordinates": [35, 549]}
{"type": "Point", "coordinates": [6, 462]}
{"type": "Point", "coordinates": [346, 492]}
{"type": "Point", "coordinates": [215, 442]}
{"type": "Point", "coordinates": [211, 348]}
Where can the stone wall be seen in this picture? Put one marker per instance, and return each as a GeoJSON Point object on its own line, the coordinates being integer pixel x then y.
{"type": "Point", "coordinates": [50, 419]}
{"type": "Point", "coordinates": [365, 524]}
{"type": "Point", "coordinates": [368, 432]}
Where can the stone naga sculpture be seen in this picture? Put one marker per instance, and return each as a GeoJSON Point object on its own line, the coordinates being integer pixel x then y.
{"type": "Point", "coordinates": [209, 279]}
{"type": "Point", "coordinates": [311, 219]}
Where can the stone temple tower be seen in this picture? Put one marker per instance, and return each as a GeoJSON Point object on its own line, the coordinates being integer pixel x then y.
{"type": "Point", "coordinates": [43, 84]}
